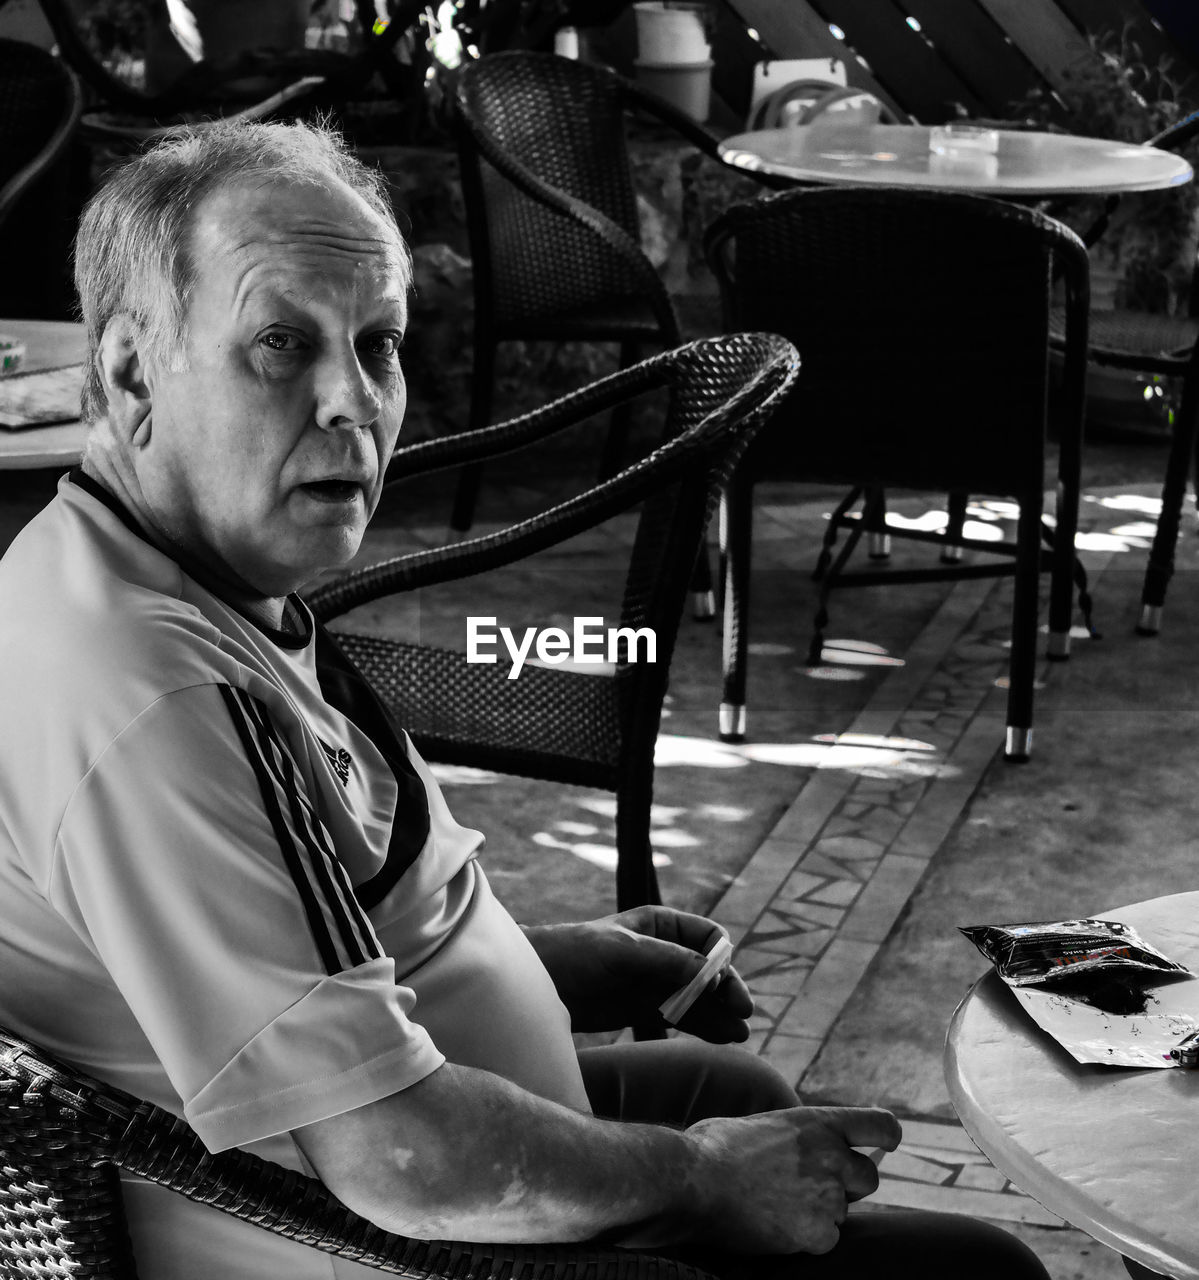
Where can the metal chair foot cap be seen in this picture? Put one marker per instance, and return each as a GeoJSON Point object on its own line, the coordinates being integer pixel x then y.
{"type": "Point", "coordinates": [879, 546]}
{"type": "Point", "coordinates": [732, 721]}
{"type": "Point", "coordinates": [1059, 646]}
{"type": "Point", "coordinates": [951, 555]}
{"type": "Point", "coordinates": [1018, 746]}
{"type": "Point", "coordinates": [1150, 622]}
{"type": "Point", "coordinates": [703, 604]}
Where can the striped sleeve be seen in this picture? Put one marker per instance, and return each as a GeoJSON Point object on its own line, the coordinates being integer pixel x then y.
{"type": "Point", "coordinates": [339, 927]}
{"type": "Point", "coordinates": [193, 862]}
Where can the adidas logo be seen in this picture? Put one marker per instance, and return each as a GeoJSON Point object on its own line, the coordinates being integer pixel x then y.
{"type": "Point", "coordinates": [340, 759]}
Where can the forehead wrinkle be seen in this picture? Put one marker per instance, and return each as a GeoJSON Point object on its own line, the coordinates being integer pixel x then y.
{"type": "Point", "coordinates": [269, 273]}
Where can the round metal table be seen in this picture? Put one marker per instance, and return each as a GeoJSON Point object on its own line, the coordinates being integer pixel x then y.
{"type": "Point", "coordinates": [49, 344]}
{"type": "Point", "coordinates": [1110, 1150]}
{"type": "Point", "coordinates": [1025, 163]}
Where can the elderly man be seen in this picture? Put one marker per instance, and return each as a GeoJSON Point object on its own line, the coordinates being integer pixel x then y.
{"type": "Point", "coordinates": [230, 885]}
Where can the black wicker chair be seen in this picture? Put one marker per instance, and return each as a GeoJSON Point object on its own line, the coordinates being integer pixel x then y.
{"type": "Point", "coordinates": [553, 723]}
{"type": "Point", "coordinates": [922, 320]}
{"type": "Point", "coordinates": [64, 1135]}
{"type": "Point", "coordinates": [1158, 344]}
{"type": "Point", "coordinates": [40, 104]}
{"type": "Point", "coordinates": [553, 222]}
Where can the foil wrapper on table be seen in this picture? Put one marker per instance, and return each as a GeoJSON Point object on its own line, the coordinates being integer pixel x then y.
{"type": "Point", "coordinates": [1103, 992]}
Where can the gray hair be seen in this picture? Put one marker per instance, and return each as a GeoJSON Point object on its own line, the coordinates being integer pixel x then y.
{"type": "Point", "coordinates": [132, 250]}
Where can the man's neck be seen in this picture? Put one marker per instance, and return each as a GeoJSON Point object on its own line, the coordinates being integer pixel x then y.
{"type": "Point", "coordinates": [265, 611]}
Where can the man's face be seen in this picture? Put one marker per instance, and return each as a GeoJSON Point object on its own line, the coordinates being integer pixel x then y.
{"type": "Point", "coordinates": [266, 455]}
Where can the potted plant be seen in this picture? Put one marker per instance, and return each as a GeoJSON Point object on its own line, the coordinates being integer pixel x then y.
{"type": "Point", "coordinates": [1114, 92]}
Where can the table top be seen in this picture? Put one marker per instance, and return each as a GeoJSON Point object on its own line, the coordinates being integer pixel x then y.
{"type": "Point", "coordinates": [48, 345]}
{"type": "Point", "coordinates": [898, 155]}
{"type": "Point", "coordinates": [1111, 1150]}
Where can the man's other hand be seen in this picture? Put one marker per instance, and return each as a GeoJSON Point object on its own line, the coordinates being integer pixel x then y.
{"type": "Point", "coordinates": [782, 1182]}
{"type": "Point", "coordinates": [617, 971]}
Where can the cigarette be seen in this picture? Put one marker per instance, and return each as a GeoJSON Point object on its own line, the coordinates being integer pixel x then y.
{"type": "Point", "coordinates": [682, 1000]}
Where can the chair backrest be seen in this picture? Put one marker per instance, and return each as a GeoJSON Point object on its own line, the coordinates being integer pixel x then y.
{"type": "Point", "coordinates": [552, 121]}
{"type": "Point", "coordinates": [922, 320]}
{"type": "Point", "coordinates": [63, 1134]}
{"type": "Point", "coordinates": [40, 103]}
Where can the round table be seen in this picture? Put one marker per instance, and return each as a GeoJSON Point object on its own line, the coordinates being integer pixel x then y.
{"type": "Point", "coordinates": [1110, 1150]}
{"type": "Point", "coordinates": [899, 155]}
{"type": "Point", "coordinates": [49, 344]}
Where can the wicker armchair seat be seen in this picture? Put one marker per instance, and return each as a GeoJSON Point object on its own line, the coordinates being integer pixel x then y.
{"type": "Point", "coordinates": [1137, 339]}
{"type": "Point", "coordinates": [564, 726]}
{"type": "Point", "coordinates": [64, 1135]}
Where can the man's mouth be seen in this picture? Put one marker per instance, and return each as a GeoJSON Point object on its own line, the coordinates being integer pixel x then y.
{"type": "Point", "coordinates": [332, 490]}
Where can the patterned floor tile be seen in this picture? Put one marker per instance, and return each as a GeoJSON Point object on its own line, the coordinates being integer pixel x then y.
{"type": "Point", "coordinates": [836, 893]}
{"type": "Point", "coordinates": [850, 848]}
{"type": "Point", "coordinates": [817, 864]}
{"type": "Point", "coordinates": [804, 913]}
{"type": "Point", "coordinates": [899, 1194]}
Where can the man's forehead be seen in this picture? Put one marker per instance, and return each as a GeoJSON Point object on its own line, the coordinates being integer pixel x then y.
{"type": "Point", "coordinates": [247, 226]}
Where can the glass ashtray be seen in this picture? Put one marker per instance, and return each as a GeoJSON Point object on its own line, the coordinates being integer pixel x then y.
{"type": "Point", "coordinates": [948, 139]}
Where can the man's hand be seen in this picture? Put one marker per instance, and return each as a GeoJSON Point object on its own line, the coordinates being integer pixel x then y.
{"type": "Point", "coordinates": [781, 1182]}
{"type": "Point", "coordinates": [613, 972]}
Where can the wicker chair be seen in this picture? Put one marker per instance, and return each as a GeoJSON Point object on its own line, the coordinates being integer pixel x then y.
{"type": "Point", "coordinates": [1164, 345]}
{"type": "Point", "coordinates": [553, 723]}
{"type": "Point", "coordinates": [552, 218]}
{"type": "Point", "coordinates": [64, 1135]}
{"type": "Point", "coordinates": [40, 104]}
{"type": "Point", "coordinates": [922, 320]}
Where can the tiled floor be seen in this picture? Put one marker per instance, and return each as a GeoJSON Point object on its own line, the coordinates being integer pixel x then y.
{"type": "Point", "coordinates": [812, 907]}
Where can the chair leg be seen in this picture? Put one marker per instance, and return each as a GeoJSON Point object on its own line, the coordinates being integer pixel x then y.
{"type": "Point", "coordinates": [829, 541]}
{"type": "Point", "coordinates": [703, 590]}
{"type": "Point", "coordinates": [1023, 666]}
{"type": "Point", "coordinates": [1067, 569]}
{"type": "Point", "coordinates": [617, 439]}
{"type": "Point", "coordinates": [878, 546]}
{"type": "Point", "coordinates": [471, 475]}
{"type": "Point", "coordinates": [951, 553]}
{"type": "Point", "coordinates": [736, 543]}
{"type": "Point", "coordinates": [828, 581]}
{"type": "Point", "coordinates": [636, 879]}
{"type": "Point", "coordinates": [1161, 555]}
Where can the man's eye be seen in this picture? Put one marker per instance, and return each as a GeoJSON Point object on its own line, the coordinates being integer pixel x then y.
{"type": "Point", "coordinates": [387, 345]}
{"type": "Point", "coordinates": [276, 341]}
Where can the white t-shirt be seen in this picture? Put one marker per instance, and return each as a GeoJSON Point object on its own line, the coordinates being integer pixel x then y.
{"type": "Point", "coordinates": [226, 884]}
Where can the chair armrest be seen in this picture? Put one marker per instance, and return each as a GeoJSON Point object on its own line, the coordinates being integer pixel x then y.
{"type": "Point", "coordinates": [437, 565]}
{"type": "Point", "coordinates": [28, 174]}
{"type": "Point", "coordinates": [486, 443]}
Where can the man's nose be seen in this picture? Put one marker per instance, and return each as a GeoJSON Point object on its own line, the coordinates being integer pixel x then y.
{"type": "Point", "coordinates": [346, 397]}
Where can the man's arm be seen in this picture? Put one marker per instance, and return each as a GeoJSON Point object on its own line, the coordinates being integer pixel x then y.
{"type": "Point", "coordinates": [467, 1155]}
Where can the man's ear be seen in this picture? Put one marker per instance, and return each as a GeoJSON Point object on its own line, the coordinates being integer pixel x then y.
{"type": "Point", "coordinates": [123, 372]}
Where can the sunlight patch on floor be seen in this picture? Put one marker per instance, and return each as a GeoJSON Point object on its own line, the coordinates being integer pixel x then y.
{"type": "Point", "coordinates": [461, 775]}
{"type": "Point", "coordinates": [1094, 540]}
{"type": "Point", "coordinates": [599, 855]}
{"type": "Point", "coordinates": [1127, 502]}
{"type": "Point", "coordinates": [883, 757]}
